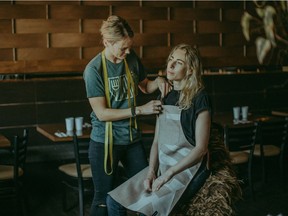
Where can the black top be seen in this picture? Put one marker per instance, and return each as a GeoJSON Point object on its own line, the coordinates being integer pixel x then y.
{"type": "Point", "coordinates": [200, 102]}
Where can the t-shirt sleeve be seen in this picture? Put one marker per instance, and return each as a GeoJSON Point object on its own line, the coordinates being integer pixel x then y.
{"type": "Point", "coordinates": [202, 103]}
{"type": "Point", "coordinates": [93, 82]}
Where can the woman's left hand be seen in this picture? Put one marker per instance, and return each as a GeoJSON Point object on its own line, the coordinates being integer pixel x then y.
{"type": "Point", "coordinates": [161, 180]}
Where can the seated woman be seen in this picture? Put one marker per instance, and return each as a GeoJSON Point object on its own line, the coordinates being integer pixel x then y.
{"type": "Point", "coordinates": [178, 158]}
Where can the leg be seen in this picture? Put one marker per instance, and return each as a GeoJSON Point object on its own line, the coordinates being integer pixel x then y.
{"type": "Point", "coordinates": [103, 183]}
{"type": "Point", "coordinates": [115, 208]}
{"type": "Point", "coordinates": [135, 159]}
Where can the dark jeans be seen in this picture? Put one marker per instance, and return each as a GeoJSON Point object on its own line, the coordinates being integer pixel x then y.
{"type": "Point", "coordinates": [133, 158]}
{"type": "Point", "coordinates": [116, 209]}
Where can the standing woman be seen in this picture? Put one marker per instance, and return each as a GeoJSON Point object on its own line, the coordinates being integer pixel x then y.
{"type": "Point", "coordinates": [112, 78]}
{"type": "Point", "coordinates": [178, 165]}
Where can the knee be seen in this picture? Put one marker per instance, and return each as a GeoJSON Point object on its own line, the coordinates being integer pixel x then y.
{"type": "Point", "coordinates": [110, 201]}
{"type": "Point", "coordinates": [115, 208]}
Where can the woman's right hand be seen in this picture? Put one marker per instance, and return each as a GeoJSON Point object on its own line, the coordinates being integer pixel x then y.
{"type": "Point", "coordinates": [152, 107]}
{"type": "Point", "coordinates": [148, 182]}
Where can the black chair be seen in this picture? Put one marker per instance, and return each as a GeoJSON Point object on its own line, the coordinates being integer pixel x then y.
{"type": "Point", "coordinates": [12, 175]}
{"type": "Point", "coordinates": [77, 176]}
{"type": "Point", "coordinates": [273, 135]}
{"type": "Point", "coordinates": [240, 142]}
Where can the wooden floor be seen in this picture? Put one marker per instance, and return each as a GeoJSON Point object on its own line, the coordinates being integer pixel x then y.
{"type": "Point", "coordinates": [44, 197]}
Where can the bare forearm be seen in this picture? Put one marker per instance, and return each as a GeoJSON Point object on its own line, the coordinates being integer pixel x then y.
{"type": "Point", "coordinates": [190, 160]}
{"type": "Point", "coordinates": [104, 113]}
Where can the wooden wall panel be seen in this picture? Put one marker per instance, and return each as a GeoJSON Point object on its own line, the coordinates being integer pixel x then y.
{"type": "Point", "coordinates": [218, 27]}
{"type": "Point", "coordinates": [150, 40]}
{"type": "Point", "coordinates": [221, 51]}
{"type": "Point", "coordinates": [22, 40]}
{"type": "Point", "coordinates": [22, 11]}
{"type": "Point", "coordinates": [56, 66]}
{"type": "Point", "coordinates": [5, 26]}
{"type": "Point", "coordinates": [41, 26]}
{"type": "Point", "coordinates": [45, 26]}
{"type": "Point", "coordinates": [194, 14]}
{"type": "Point", "coordinates": [74, 40]}
{"type": "Point", "coordinates": [166, 26]}
{"type": "Point", "coordinates": [47, 54]}
{"type": "Point", "coordinates": [91, 52]}
{"type": "Point", "coordinates": [168, 3]}
{"type": "Point", "coordinates": [233, 14]}
{"type": "Point", "coordinates": [78, 12]}
{"type": "Point", "coordinates": [111, 3]}
{"type": "Point", "coordinates": [91, 26]}
{"type": "Point", "coordinates": [152, 52]}
{"type": "Point", "coordinates": [233, 39]}
{"type": "Point", "coordinates": [6, 54]}
{"type": "Point", "coordinates": [144, 13]}
{"type": "Point", "coordinates": [195, 39]}
{"type": "Point", "coordinates": [12, 67]}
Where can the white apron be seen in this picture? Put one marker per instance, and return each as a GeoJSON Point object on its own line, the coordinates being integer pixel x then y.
{"type": "Point", "coordinates": [172, 147]}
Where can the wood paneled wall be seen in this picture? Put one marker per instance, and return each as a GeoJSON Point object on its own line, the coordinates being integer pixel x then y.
{"type": "Point", "coordinates": [62, 36]}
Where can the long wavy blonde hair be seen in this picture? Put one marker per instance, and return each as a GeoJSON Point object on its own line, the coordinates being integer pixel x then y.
{"type": "Point", "coordinates": [192, 82]}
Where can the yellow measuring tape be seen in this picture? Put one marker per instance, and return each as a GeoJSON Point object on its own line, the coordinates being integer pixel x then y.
{"type": "Point", "coordinates": [108, 148]}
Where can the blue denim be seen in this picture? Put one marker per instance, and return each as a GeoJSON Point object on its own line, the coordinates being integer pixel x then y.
{"type": "Point", "coordinates": [134, 159]}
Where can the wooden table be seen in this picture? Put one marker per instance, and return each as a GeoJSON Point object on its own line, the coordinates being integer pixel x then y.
{"type": "Point", "coordinates": [49, 130]}
{"type": "Point", "coordinates": [227, 119]}
{"type": "Point", "coordinates": [4, 142]}
{"type": "Point", "coordinates": [281, 112]}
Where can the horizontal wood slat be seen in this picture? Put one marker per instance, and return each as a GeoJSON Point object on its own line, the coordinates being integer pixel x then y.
{"type": "Point", "coordinates": [47, 54]}
{"type": "Point", "coordinates": [22, 40]}
{"type": "Point", "coordinates": [5, 26]}
{"type": "Point", "coordinates": [6, 54]}
{"type": "Point", "coordinates": [43, 66]}
{"type": "Point", "coordinates": [145, 13]}
{"type": "Point", "coordinates": [91, 26]}
{"type": "Point", "coordinates": [195, 39]}
{"type": "Point", "coordinates": [166, 26]}
{"type": "Point", "coordinates": [221, 51]}
{"type": "Point", "coordinates": [218, 27]}
{"type": "Point", "coordinates": [150, 40]}
{"type": "Point", "coordinates": [75, 40]}
{"type": "Point", "coordinates": [195, 14]}
{"type": "Point", "coordinates": [22, 11]}
{"type": "Point", "coordinates": [78, 12]}
{"type": "Point", "coordinates": [44, 26]}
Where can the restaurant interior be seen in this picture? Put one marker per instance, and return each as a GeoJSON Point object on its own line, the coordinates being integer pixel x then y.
{"type": "Point", "coordinates": [45, 46]}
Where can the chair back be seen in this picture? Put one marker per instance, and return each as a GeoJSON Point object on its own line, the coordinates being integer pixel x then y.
{"type": "Point", "coordinates": [240, 138]}
{"type": "Point", "coordinates": [273, 132]}
{"type": "Point", "coordinates": [81, 149]}
{"type": "Point", "coordinates": [20, 149]}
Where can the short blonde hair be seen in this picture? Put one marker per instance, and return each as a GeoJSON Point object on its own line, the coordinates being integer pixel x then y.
{"type": "Point", "coordinates": [115, 29]}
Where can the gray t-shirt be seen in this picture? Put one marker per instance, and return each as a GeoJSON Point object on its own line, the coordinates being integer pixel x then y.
{"type": "Point", "coordinates": [117, 81]}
